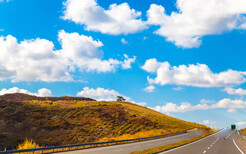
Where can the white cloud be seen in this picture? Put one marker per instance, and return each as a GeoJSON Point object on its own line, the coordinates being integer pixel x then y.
{"type": "Point", "coordinates": [124, 41]}
{"type": "Point", "coordinates": [41, 92]}
{"type": "Point", "coordinates": [151, 65]}
{"type": "Point", "coordinates": [171, 107]}
{"type": "Point", "coordinates": [102, 94]}
{"type": "Point", "coordinates": [178, 88]}
{"type": "Point", "coordinates": [36, 59]}
{"type": "Point", "coordinates": [241, 123]}
{"type": "Point", "coordinates": [85, 53]}
{"type": "Point", "coordinates": [149, 88]}
{"type": "Point", "coordinates": [230, 105]}
{"type": "Point", "coordinates": [233, 91]}
{"type": "Point", "coordinates": [126, 64]}
{"type": "Point", "coordinates": [232, 110]}
{"type": "Point", "coordinates": [197, 18]}
{"type": "Point", "coordinates": [118, 19]}
{"type": "Point", "coordinates": [32, 60]}
{"type": "Point", "coordinates": [44, 92]}
{"type": "Point", "coordinates": [207, 122]}
{"type": "Point", "coordinates": [198, 75]}
{"type": "Point", "coordinates": [205, 101]}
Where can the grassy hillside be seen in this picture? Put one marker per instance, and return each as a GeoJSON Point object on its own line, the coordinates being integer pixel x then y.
{"type": "Point", "coordinates": [71, 120]}
{"type": "Point", "coordinates": [243, 131]}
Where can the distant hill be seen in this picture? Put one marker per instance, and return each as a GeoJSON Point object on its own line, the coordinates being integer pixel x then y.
{"type": "Point", "coordinates": [72, 120]}
{"type": "Point", "coordinates": [25, 97]}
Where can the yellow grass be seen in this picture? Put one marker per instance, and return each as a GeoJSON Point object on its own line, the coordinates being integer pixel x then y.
{"type": "Point", "coordinates": [64, 122]}
{"type": "Point", "coordinates": [28, 144]}
{"type": "Point", "coordinates": [243, 131]}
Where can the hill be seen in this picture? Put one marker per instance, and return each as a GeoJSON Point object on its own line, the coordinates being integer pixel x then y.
{"type": "Point", "coordinates": [243, 131]}
{"type": "Point", "coordinates": [71, 120]}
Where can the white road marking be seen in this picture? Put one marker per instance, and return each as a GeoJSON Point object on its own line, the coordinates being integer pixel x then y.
{"type": "Point", "coordinates": [237, 147]}
{"type": "Point", "coordinates": [204, 151]}
{"type": "Point", "coordinates": [192, 142]}
{"type": "Point", "coordinates": [228, 135]}
{"type": "Point", "coordinates": [238, 132]}
{"type": "Point", "coordinates": [208, 147]}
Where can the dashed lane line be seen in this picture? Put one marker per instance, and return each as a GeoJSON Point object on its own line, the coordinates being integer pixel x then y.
{"type": "Point", "coordinates": [229, 135]}
{"type": "Point", "coordinates": [194, 142]}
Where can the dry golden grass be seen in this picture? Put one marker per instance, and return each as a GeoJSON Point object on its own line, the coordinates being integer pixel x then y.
{"type": "Point", "coordinates": [63, 122]}
{"type": "Point", "coordinates": [243, 131]}
{"type": "Point", "coordinates": [28, 144]}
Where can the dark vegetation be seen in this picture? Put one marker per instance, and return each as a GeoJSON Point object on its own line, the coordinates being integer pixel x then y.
{"type": "Point", "coordinates": [71, 120]}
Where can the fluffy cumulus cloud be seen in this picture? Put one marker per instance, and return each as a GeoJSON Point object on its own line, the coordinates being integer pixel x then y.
{"type": "Point", "coordinates": [207, 122]}
{"type": "Point", "coordinates": [149, 89]}
{"type": "Point", "coordinates": [230, 105]}
{"type": "Point", "coordinates": [183, 107]}
{"type": "Point", "coordinates": [241, 123]}
{"type": "Point", "coordinates": [197, 18]}
{"type": "Point", "coordinates": [36, 59]}
{"type": "Point", "coordinates": [233, 91]}
{"type": "Point", "coordinates": [127, 63]}
{"type": "Point", "coordinates": [117, 19]}
{"type": "Point", "coordinates": [197, 75]}
{"type": "Point", "coordinates": [102, 94]}
{"type": "Point", "coordinates": [41, 92]}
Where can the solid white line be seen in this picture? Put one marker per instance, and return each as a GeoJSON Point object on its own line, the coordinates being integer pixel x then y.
{"type": "Point", "coordinates": [191, 143]}
{"type": "Point", "coordinates": [237, 147]}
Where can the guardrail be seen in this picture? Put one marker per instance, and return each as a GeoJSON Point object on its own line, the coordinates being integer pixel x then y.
{"type": "Point", "coordinates": [53, 149]}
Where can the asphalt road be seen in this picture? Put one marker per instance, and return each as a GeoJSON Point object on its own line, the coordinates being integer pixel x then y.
{"type": "Point", "coordinates": [226, 141]}
{"type": "Point", "coordinates": [131, 147]}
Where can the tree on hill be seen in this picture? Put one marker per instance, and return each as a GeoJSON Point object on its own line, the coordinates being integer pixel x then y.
{"type": "Point", "coordinates": [120, 99]}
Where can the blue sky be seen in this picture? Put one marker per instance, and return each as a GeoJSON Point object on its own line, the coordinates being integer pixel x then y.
{"type": "Point", "coordinates": [192, 60]}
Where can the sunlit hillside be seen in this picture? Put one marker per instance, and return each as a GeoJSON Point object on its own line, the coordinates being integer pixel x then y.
{"type": "Point", "coordinates": [68, 120]}
{"type": "Point", "coordinates": [243, 131]}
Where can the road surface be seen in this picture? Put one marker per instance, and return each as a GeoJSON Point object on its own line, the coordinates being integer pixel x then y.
{"type": "Point", "coordinates": [131, 147]}
{"type": "Point", "coordinates": [226, 141]}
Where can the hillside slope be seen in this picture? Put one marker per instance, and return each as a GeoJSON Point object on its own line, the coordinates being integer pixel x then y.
{"type": "Point", "coordinates": [71, 120]}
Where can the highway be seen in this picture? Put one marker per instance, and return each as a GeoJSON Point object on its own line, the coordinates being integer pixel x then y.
{"type": "Point", "coordinates": [226, 141]}
{"type": "Point", "coordinates": [131, 147]}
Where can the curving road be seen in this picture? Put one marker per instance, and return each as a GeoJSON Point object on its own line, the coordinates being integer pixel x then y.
{"type": "Point", "coordinates": [226, 141]}
{"type": "Point", "coordinates": [131, 147]}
